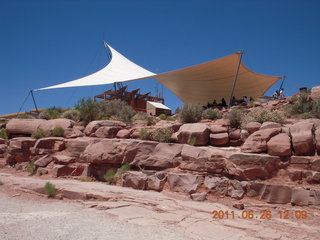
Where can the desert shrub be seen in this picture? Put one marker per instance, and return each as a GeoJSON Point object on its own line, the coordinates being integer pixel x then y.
{"type": "Point", "coordinates": [143, 134]}
{"type": "Point", "coordinates": [210, 113]}
{"type": "Point", "coordinates": [162, 135]}
{"type": "Point", "coordinates": [192, 141]}
{"type": "Point", "coordinates": [140, 116]}
{"type": "Point", "coordinates": [71, 114]}
{"type": "Point", "coordinates": [235, 117]}
{"type": "Point", "coordinates": [50, 190]}
{"type": "Point", "coordinates": [51, 113]}
{"type": "Point", "coordinates": [88, 110]}
{"type": "Point", "coordinates": [3, 133]}
{"type": "Point", "coordinates": [162, 116]}
{"type": "Point", "coordinates": [57, 132]}
{"type": "Point", "coordinates": [169, 118]}
{"type": "Point", "coordinates": [262, 115]}
{"type": "Point", "coordinates": [31, 168]}
{"type": "Point", "coordinates": [40, 133]}
{"type": "Point", "coordinates": [304, 107]}
{"type": "Point", "coordinates": [109, 176]}
{"type": "Point", "coordinates": [125, 114]}
{"type": "Point", "coordinates": [190, 113]}
{"type": "Point", "coordinates": [125, 167]}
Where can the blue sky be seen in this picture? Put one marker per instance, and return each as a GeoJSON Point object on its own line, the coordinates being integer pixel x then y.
{"type": "Point", "coordinates": [43, 43]}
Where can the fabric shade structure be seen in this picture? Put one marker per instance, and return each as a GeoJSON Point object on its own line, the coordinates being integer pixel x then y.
{"type": "Point", "coordinates": [197, 84]}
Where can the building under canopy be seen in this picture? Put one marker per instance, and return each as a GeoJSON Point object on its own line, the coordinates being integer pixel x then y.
{"type": "Point", "coordinates": [197, 84]}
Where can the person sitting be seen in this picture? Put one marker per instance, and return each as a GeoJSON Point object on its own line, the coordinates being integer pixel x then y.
{"type": "Point", "coordinates": [281, 93]}
{"type": "Point", "coordinates": [223, 102]}
{"type": "Point", "coordinates": [245, 100]}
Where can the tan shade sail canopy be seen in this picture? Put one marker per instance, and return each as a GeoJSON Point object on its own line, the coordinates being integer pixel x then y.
{"type": "Point", "coordinates": [198, 84]}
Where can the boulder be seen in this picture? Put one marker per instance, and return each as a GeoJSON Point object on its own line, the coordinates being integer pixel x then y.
{"type": "Point", "coordinates": [235, 142]}
{"type": "Point", "coordinates": [66, 170]}
{"type": "Point", "coordinates": [252, 166]}
{"type": "Point", "coordinates": [217, 185]}
{"type": "Point", "coordinates": [313, 177]}
{"type": "Point", "coordinates": [23, 126]}
{"type": "Point", "coordinates": [300, 197]}
{"type": "Point", "coordinates": [156, 181]}
{"type": "Point", "coordinates": [255, 189]}
{"type": "Point", "coordinates": [105, 151]}
{"type": "Point", "coordinates": [253, 127]}
{"type": "Point", "coordinates": [64, 123]}
{"type": "Point", "coordinates": [42, 171]}
{"type": "Point", "coordinates": [73, 132]}
{"type": "Point", "coordinates": [198, 196]}
{"type": "Point", "coordinates": [123, 133]}
{"type": "Point", "coordinates": [218, 129]}
{"type": "Point", "coordinates": [175, 126]}
{"type": "Point", "coordinates": [267, 125]}
{"type": "Point", "coordinates": [235, 134]}
{"type": "Point", "coordinates": [277, 194]}
{"type": "Point", "coordinates": [43, 161]}
{"type": "Point", "coordinates": [315, 165]}
{"type": "Point", "coordinates": [163, 155]}
{"type": "Point", "coordinates": [257, 141]}
{"type": "Point", "coordinates": [315, 93]}
{"type": "Point", "coordinates": [106, 132]}
{"type": "Point", "coordinates": [186, 183]}
{"type": "Point", "coordinates": [19, 149]}
{"type": "Point", "coordinates": [198, 131]}
{"type": "Point", "coordinates": [62, 159]}
{"type": "Point", "coordinates": [136, 180]}
{"type": "Point", "coordinates": [3, 148]}
{"type": "Point", "coordinates": [302, 138]}
{"type": "Point", "coordinates": [279, 145]}
{"type": "Point", "coordinates": [202, 160]}
{"type": "Point", "coordinates": [317, 137]}
{"type": "Point", "coordinates": [222, 122]}
{"type": "Point", "coordinates": [93, 126]}
{"type": "Point", "coordinates": [219, 139]}
{"type": "Point", "coordinates": [74, 147]}
{"type": "Point", "coordinates": [300, 162]}
{"type": "Point", "coordinates": [49, 145]}
{"type": "Point", "coordinates": [235, 190]}
{"type": "Point", "coordinates": [314, 197]}
{"type": "Point", "coordinates": [138, 151]}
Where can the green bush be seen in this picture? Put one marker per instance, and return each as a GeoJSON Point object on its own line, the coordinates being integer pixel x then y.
{"type": "Point", "coordinates": [109, 176]}
{"type": "Point", "coordinates": [51, 113]}
{"type": "Point", "coordinates": [170, 119]}
{"type": "Point", "coordinates": [125, 167]}
{"type": "Point", "coordinates": [162, 116]}
{"type": "Point", "coordinates": [162, 135]}
{"type": "Point", "coordinates": [304, 107]}
{"type": "Point", "coordinates": [88, 110]}
{"type": "Point", "coordinates": [143, 134]}
{"type": "Point", "coordinates": [210, 113]}
{"type": "Point", "coordinates": [57, 132]}
{"type": "Point", "coordinates": [50, 190]}
{"type": "Point", "coordinates": [71, 114]}
{"type": "Point", "coordinates": [262, 115]}
{"type": "Point", "coordinates": [190, 113]}
{"type": "Point", "coordinates": [3, 133]}
{"type": "Point", "coordinates": [31, 168]}
{"type": "Point", "coordinates": [140, 116]}
{"type": "Point", "coordinates": [125, 114]}
{"type": "Point", "coordinates": [235, 117]}
{"type": "Point", "coordinates": [40, 133]}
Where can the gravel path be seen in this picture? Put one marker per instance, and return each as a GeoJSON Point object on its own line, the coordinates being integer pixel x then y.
{"type": "Point", "coordinates": [53, 219]}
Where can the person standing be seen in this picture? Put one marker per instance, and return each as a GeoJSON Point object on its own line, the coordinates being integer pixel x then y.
{"type": "Point", "coordinates": [281, 93]}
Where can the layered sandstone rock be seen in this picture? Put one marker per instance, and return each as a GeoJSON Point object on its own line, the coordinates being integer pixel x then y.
{"type": "Point", "coordinates": [279, 145]}
{"type": "Point", "coordinates": [302, 138]}
{"type": "Point", "coordinates": [253, 127]}
{"type": "Point", "coordinates": [257, 142]}
{"type": "Point", "coordinates": [198, 131]}
{"type": "Point", "coordinates": [93, 126]}
{"type": "Point", "coordinates": [186, 183]}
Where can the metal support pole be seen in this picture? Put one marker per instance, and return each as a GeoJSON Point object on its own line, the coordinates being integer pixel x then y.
{"type": "Point", "coordinates": [283, 79]}
{"type": "Point", "coordinates": [34, 101]}
{"type": "Point", "coordinates": [235, 79]}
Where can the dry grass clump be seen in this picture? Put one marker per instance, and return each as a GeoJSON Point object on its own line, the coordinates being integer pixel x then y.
{"type": "Point", "coordinates": [262, 115]}
{"type": "Point", "coordinates": [190, 113]}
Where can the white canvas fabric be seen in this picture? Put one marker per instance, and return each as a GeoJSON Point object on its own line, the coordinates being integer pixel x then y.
{"type": "Point", "coordinates": [197, 84]}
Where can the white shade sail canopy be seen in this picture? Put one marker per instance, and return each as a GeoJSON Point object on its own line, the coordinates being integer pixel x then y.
{"type": "Point", "coordinates": [198, 84]}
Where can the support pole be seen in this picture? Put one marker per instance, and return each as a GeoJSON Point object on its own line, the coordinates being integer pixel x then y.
{"type": "Point", "coordinates": [235, 79]}
{"type": "Point", "coordinates": [34, 101]}
{"type": "Point", "coordinates": [283, 79]}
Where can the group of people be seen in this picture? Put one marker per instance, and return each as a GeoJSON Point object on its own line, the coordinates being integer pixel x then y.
{"type": "Point", "coordinates": [278, 94]}
{"type": "Point", "coordinates": [244, 101]}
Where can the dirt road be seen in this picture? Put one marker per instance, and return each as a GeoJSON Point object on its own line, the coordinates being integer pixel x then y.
{"type": "Point", "coordinates": [101, 211]}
